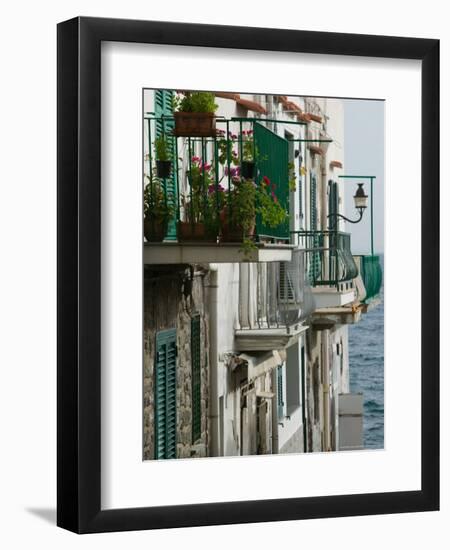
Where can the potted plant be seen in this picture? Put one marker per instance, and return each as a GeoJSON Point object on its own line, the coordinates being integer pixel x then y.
{"type": "Point", "coordinates": [245, 201]}
{"type": "Point", "coordinates": [159, 209]}
{"type": "Point", "coordinates": [194, 114]}
{"type": "Point", "coordinates": [238, 216]}
{"type": "Point", "coordinates": [200, 214]}
{"type": "Point", "coordinates": [163, 157]}
{"type": "Point", "coordinates": [248, 155]}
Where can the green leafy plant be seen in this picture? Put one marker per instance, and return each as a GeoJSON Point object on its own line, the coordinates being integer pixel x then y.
{"type": "Point", "coordinates": [163, 148]}
{"type": "Point", "coordinates": [292, 177]}
{"type": "Point", "coordinates": [270, 209]}
{"type": "Point", "coordinates": [159, 205]}
{"type": "Point", "coordinates": [249, 152]}
{"type": "Point", "coordinates": [247, 199]}
{"type": "Point", "coordinates": [195, 102]}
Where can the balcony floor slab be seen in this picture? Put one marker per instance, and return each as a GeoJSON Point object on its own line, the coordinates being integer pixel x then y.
{"type": "Point", "coordinates": [266, 339]}
{"type": "Point", "coordinates": [325, 297]}
{"type": "Point", "coordinates": [200, 253]}
{"type": "Point", "coordinates": [328, 317]}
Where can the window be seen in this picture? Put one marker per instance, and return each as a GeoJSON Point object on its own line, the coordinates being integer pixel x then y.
{"type": "Point", "coordinates": [166, 394]}
{"type": "Point", "coordinates": [196, 379]}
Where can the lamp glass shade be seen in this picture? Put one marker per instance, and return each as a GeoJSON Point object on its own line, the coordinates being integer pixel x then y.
{"type": "Point", "coordinates": [360, 197]}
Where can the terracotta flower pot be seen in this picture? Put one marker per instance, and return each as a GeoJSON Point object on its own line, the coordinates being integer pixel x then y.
{"type": "Point", "coordinates": [234, 232]}
{"type": "Point", "coordinates": [188, 232]}
{"type": "Point", "coordinates": [195, 124]}
{"type": "Point", "coordinates": [163, 168]}
{"type": "Point", "coordinates": [154, 231]}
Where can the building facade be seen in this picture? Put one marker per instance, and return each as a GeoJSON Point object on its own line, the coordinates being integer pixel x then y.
{"type": "Point", "coordinates": [246, 343]}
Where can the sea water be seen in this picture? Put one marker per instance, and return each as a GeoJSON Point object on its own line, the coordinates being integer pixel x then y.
{"type": "Point", "coordinates": [366, 357]}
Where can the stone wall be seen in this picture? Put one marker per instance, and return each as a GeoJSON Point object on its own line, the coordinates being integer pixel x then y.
{"type": "Point", "coordinates": [172, 296]}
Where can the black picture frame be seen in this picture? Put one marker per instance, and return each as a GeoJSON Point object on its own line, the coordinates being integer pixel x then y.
{"type": "Point", "coordinates": [79, 281]}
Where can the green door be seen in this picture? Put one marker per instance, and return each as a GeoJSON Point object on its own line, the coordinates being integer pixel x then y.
{"type": "Point", "coordinates": [166, 394]}
{"type": "Point", "coordinates": [273, 161]}
{"type": "Point", "coordinates": [163, 107]}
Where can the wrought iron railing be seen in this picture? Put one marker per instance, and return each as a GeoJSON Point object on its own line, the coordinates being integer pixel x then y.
{"type": "Point", "coordinates": [205, 184]}
{"type": "Point", "coordinates": [371, 274]}
{"type": "Point", "coordinates": [329, 260]}
{"type": "Point", "coordinates": [274, 294]}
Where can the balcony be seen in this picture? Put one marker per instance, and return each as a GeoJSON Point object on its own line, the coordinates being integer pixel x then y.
{"type": "Point", "coordinates": [217, 198]}
{"type": "Point", "coordinates": [275, 299]}
{"type": "Point", "coordinates": [330, 267]}
{"type": "Point", "coordinates": [372, 276]}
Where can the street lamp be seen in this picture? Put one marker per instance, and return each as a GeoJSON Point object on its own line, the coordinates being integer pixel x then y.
{"type": "Point", "coordinates": [360, 199]}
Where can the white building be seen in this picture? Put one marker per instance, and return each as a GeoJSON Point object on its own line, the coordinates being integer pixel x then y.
{"type": "Point", "coordinates": [259, 337]}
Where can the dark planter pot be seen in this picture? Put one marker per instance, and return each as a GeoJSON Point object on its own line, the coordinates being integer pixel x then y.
{"type": "Point", "coordinates": [154, 231]}
{"type": "Point", "coordinates": [163, 168]}
{"type": "Point", "coordinates": [189, 232]}
{"type": "Point", "coordinates": [195, 124]}
{"type": "Point", "coordinates": [248, 169]}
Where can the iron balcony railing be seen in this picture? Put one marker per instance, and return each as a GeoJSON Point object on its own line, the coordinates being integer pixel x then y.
{"type": "Point", "coordinates": [371, 275]}
{"type": "Point", "coordinates": [329, 260]}
{"type": "Point", "coordinates": [274, 294]}
{"type": "Point", "coordinates": [206, 172]}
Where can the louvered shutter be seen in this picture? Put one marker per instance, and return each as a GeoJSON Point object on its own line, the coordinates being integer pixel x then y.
{"type": "Point", "coordinates": [333, 202]}
{"type": "Point", "coordinates": [280, 398]}
{"type": "Point", "coordinates": [314, 266]}
{"type": "Point", "coordinates": [163, 107]}
{"type": "Point", "coordinates": [166, 394]}
{"type": "Point", "coordinates": [196, 378]}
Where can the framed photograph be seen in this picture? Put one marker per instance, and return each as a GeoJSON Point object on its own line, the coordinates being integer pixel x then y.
{"type": "Point", "coordinates": [248, 275]}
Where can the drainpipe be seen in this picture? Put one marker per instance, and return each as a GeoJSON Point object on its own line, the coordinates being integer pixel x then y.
{"type": "Point", "coordinates": [275, 443]}
{"type": "Point", "coordinates": [213, 362]}
{"type": "Point", "coordinates": [326, 390]}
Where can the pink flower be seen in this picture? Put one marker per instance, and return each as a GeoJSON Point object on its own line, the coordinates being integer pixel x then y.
{"type": "Point", "coordinates": [266, 180]}
{"type": "Point", "coordinates": [212, 189]}
{"type": "Point", "coordinates": [206, 167]}
{"type": "Point", "coordinates": [195, 159]}
{"type": "Point", "coordinates": [234, 171]}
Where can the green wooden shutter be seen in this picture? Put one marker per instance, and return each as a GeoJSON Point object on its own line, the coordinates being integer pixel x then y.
{"type": "Point", "coordinates": [163, 106]}
{"type": "Point", "coordinates": [313, 202]}
{"type": "Point", "coordinates": [166, 394]}
{"type": "Point", "coordinates": [273, 161]}
{"type": "Point", "coordinates": [314, 264]}
{"type": "Point", "coordinates": [333, 202]}
{"type": "Point", "coordinates": [196, 379]}
{"type": "Point", "coordinates": [280, 397]}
